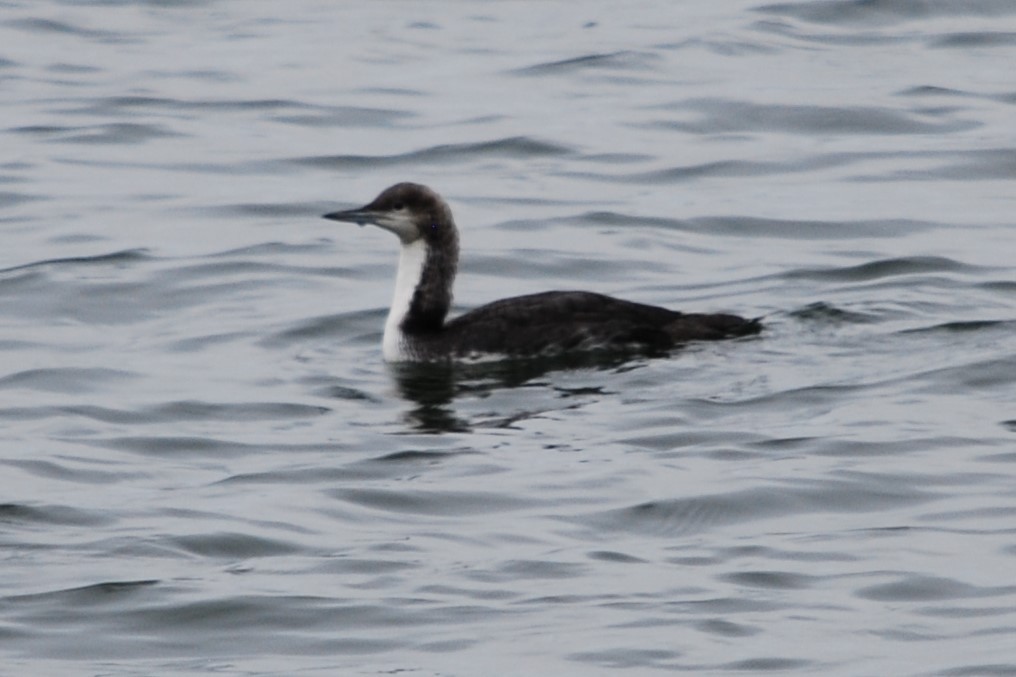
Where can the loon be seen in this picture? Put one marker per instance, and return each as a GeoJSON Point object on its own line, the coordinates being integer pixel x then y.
{"type": "Point", "coordinates": [548, 324]}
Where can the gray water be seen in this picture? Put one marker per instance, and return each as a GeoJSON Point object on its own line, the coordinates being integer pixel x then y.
{"type": "Point", "coordinates": [207, 467]}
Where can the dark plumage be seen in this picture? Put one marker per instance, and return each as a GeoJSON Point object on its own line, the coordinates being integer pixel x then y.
{"type": "Point", "coordinates": [550, 323]}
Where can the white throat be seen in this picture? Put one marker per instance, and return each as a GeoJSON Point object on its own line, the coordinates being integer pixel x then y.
{"type": "Point", "coordinates": [411, 260]}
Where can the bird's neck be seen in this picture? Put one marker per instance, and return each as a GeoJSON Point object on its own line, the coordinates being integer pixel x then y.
{"type": "Point", "coordinates": [423, 294]}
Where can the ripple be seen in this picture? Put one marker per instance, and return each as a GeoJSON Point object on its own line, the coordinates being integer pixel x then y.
{"type": "Point", "coordinates": [52, 26]}
{"type": "Point", "coordinates": [65, 379]}
{"type": "Point", "coordinates": [117, 258]}
{"type": "Point", "coordinates": [963, 327]}
{"type": "Point", "coordinates": [916, 588]}
{"type": "Point", "coordinates": [621, 60]}
{"type": "Point", "coordinates": [232, 546]}
{"type": "Point", "coordinates": [967, 166]}
{"type": "Point", "coordinates": [183, 445]}
{"type": "Point", "coordinates": [10, 199]}
{"type": "Point", "coordinates": [981, 670]}
{"type": "Point", "coordinates": [770, 664]}
{"type": "Point", "coordinates": [973, 165]}
{"type": "Point", "coordinates": [746, 226]}
{"type": "Point", "coordinates": [78, 472]}
{"type": "Point", "coordinates": [431, 502]}
{"type": "Point", "coordinates": [703, 513]}
{"type": "Point", "coordinates": [627, 658]}
{"type": "Point", "coordinates": [185, 410]}
{"type": "Point", "coordinates": [288, 111]}
{"type": "Point", "coordinates": [974, 375]}
{"type": "Point", "coordinates": [111, 133]}
{"type": "Point", "coordinates": [973, 40]}
{"type": "Point", "coordinates": [328, 326]}
{"type": "Point", "coordinates": [885, 268]}
{"type": "Point", "coordinates": [885, 12]}
{"type": "Point", "coordinates": [725, 628]}
{"type": "Point", "coordinates": [728, 116]}
{"type": "Point", "coordinates": [513, 147]}
{"type": "Point", "coordinates": [95, 593]}
{"type": "Point", "coordinates": [773, 580]}
{"type": "Point", "coordinates": [827, 313]}
{"type": "Point", "coordinates": [223, 626]}
{"type": "Point", "coordinates": [14, 514]}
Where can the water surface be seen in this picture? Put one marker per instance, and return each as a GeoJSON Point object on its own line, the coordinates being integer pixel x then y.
{"type": "Point", "coordinates": [207, 468]}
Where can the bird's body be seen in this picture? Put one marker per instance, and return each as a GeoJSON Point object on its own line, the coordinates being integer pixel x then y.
{"type": "Point", "coordinates": [549, 324]}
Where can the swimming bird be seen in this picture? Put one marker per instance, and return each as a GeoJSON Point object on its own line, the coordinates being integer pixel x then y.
{"type": "Point", "coordinates": [549, 324]}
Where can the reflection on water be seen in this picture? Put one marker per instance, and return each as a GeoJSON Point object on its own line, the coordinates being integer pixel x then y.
{"type": "Point", "coordinates": [433, 388]}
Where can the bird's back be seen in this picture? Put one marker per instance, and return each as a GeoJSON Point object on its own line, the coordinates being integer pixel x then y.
{"type": "Point", "coordinates": [559, 322]}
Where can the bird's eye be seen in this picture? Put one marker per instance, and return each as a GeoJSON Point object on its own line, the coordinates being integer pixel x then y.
{"type": "Point", "coordinates": [398, 206]}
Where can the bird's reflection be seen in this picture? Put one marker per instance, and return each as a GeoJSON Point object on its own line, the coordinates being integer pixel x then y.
{"type": "Point", "coordinates": [432, 388]}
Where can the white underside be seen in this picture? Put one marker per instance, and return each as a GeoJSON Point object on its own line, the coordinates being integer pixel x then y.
{"type": "Point", "coordinates": [411, 260]}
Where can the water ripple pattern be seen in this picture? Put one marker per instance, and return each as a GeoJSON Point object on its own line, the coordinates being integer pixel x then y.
{"type": "Point", "coordinates": [206, 468]}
